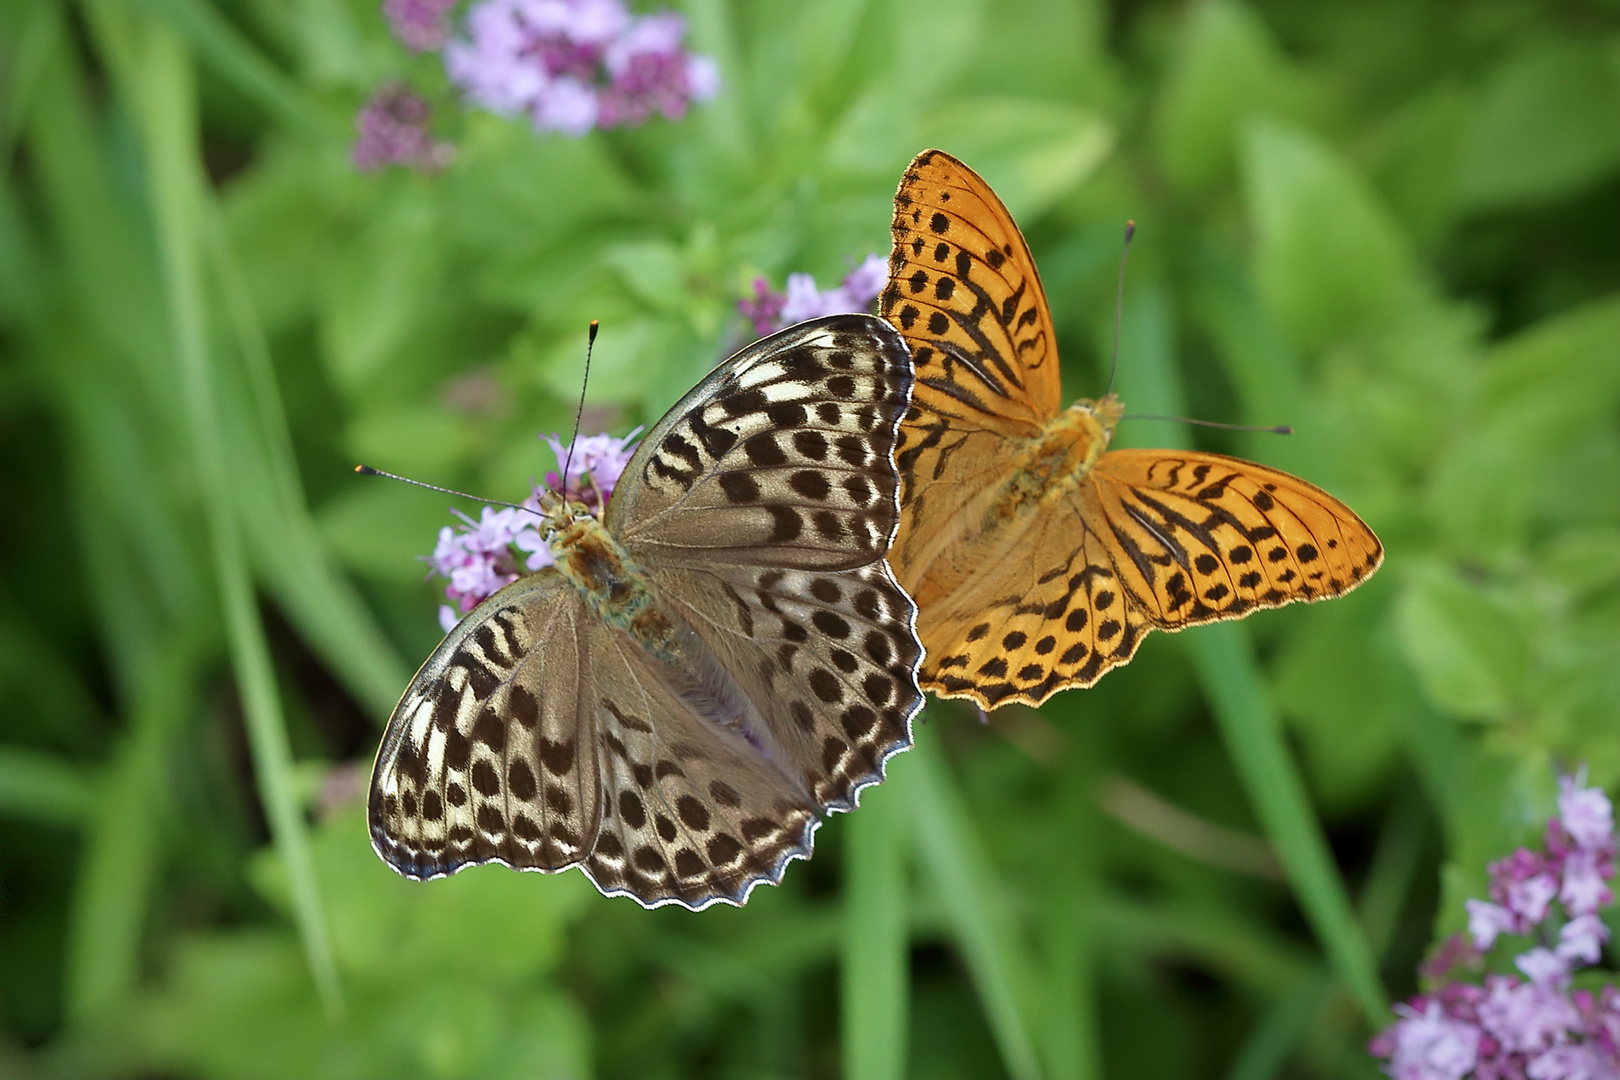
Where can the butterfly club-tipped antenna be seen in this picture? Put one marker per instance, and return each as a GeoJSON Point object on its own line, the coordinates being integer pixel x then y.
{"type": "Point", "coordinates": [1119, 303]}
{"type": "Point", "coordinates": [367, 470]}
{"type": "Point", "coordinates": [579, 413]}
{"type": "Point", "coordinates": [1273, 429]}
{"type": "Point", "coordinates": [1113, 367]}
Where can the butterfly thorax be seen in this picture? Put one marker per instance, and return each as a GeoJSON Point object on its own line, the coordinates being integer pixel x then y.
{"type": "Point", "coordinates": [1051, 463]}
{"type": "Point", "coordinates": [611, 583]}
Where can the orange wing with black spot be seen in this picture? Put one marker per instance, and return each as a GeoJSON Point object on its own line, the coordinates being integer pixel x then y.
{"type": "Point", "coordinates": [1019, 598]}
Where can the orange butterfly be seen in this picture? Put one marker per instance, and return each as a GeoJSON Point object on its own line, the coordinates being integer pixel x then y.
{"type": "Point", "coordinates": [1039, 558]}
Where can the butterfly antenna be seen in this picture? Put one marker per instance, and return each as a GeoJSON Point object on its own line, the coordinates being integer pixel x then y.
{"type": "Point", "coordinates": [367, 470]}
{"type": "Point", "coordinates": [1279, 429]}
{"type": "Point", "coordinates": [1119, 302]}
{"type": "Point", "coordinates": [579, 413]}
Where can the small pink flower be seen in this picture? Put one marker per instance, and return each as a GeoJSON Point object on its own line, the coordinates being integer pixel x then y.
{"type": "Point", "coordinates": [1569, 1062]}
{"type": "Point", "coordinates": [420, 25]}
{"type": "Point", "coordinates": [802, 300]}
{"type": "Point", "coordinates": [1585, 812]}
{"type": "Point", "coordinates": [1584, 890]}
{"type": "Point", "coordinates": [1580, 941]}
{"type": "Point", "coordinates": [393, 130]}
{"type": "Point", "coordinates": [575, 65]}
{"type": "Point", "coordinates": [1428, 1045]}
{"type": "Point", "coordinates": [1486, 921]}
{"type": "Point", "coordinates": [1543, 966]}
{"type": "Point", "coordinates": [1525, 1016]}
{"type": "Point", "coordinates": [1528, 899]}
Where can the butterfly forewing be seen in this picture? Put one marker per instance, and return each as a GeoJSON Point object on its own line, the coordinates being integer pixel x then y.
{"type": "Point", "coordinates": [1208, 537]}
{"type": "Point", "coordinates": [487, 757]}
{"type": "Point", "coordinates": [782, 458]}
{"type": "Point", "coordinates": [964, 290]}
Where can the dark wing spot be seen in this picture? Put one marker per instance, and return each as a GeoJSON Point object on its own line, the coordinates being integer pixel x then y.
{"type": "Point", "coordinates": [520, 780]}
{"type": "Point", "coordinates": [763, 451]}
{"type": "Point", "coordinates": [485, 779]}
{"type": "Point", "coordinates": [811, 484]}
{"type": "Point", "coordinates": [831, 624]}
{"type": "Point", "coordinates": [812, 444]}
{"type": "Point", "coordinates": [739, 487]}
{"type": "Point", "coordinates": [786, 524]}
{"type": "Point", "coordinates": [693, 813]}
{"type": "Point", "coordinates": [826, 686]}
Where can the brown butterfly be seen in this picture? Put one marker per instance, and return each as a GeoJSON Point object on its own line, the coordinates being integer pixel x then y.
{"type": "Point", "coordinates": [1038, 557]}
{"type": "Point", "coordinates": [707, 669]}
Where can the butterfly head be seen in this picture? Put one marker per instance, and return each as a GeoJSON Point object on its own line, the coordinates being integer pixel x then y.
{"type": "Point", "coordinates": [1096, 421]}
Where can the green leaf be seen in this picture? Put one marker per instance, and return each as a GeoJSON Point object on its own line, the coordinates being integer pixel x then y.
{"type": "Point", "coordinates": [975, 905]}
{"type": "Point", "coordinates": [1032, 152]}
{"type": "Point", "coordinates": [1224, 70]}
{"type": "Point", "coordinates": [1544, 127]}
{"type": "Point", "coordinates": [1462, 643]}
{"type": "Point", "coordinates": [1328, 257]}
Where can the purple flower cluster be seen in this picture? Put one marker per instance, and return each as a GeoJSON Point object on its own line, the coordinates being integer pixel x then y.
{"type": "Point", "coordinates": [770, 311]}
{"type": "Point", "coordinates": [1535, 1027]}
{"type": "Point", "coordinates": [484, 556]}
{"type": "Point", "coordinates": [421, 25]}
{"type": "Point", "coordinates": [574, 65]}
{"type": "Point", "coordinates": [393, 131]}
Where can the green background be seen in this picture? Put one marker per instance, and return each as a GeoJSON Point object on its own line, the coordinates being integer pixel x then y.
{"type": "Point", "coordinates": [1395, 226]}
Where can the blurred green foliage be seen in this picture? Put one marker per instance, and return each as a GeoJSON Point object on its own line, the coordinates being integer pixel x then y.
{"type": "Point", "coordinates": [1394, 226]}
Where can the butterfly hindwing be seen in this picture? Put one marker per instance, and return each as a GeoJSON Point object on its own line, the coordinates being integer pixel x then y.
{"type": "Point", "coordinates": [693, 812]}
{"type": "Point", "coordinates": [831, 657]}
{"type": "Point", "coordinates": [1049, 613]}
{"type": "Point", "coordinates": [489, 756]}
{"type": "Point", "coordinates": [780, 458]}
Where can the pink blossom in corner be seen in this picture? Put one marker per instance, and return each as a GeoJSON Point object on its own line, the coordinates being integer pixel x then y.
{"type": "Point", "coordinates": [1581, 940]}
{"type": "Point", "coordinates": [1429, 1045]}
{"type": "Point", "coordinates": [1538, 1027]}
{"type": "Point", "coordinates": [1486, 921]}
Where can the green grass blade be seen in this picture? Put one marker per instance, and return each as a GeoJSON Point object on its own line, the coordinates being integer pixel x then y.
{"type": "Point", "coordinates": [1231, 679]}
{"type": "Point", "coordinates": [1232, 682]}
{"type": "Point", "coordinates": [975, 906]}
{"type": "Point", "coordinates": [319, 600]}
{"type": "Point", "coordinates": [43, 788]}
{"type": "Point", "coordinates": [234, 58]}
{"type": "Point", "coordinates": [158, 84]}
{"type": "Point", "coordinates": [120, 857]}
{"type": "Point", "coordinates": [1069, 1032]}
{"type": "Point", "coordinates": [875, 971]}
